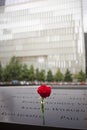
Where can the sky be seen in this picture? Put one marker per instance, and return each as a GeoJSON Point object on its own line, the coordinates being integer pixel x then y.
{"type": "Point", "coordinates": [84, 10]}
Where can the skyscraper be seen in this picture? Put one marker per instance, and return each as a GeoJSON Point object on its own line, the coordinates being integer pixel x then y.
{"type": "Point", "coordinates": [2, 2]}
{"type": "Point", "coordinates": [46, 33]}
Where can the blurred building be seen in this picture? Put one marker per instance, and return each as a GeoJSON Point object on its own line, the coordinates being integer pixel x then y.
{"type": "Point", "coordinates": [46, 33]}
{"type": "Point", "coordinates": [2, 2]}
{"type": "Point", "coordinates": [85, 35]}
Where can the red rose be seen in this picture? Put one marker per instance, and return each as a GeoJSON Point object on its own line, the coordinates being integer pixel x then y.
{"type": "Point", "coordinates": [44, 91]}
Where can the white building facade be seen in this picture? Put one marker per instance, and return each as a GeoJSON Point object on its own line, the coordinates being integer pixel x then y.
{"type": "Point", "coordinates": [45, 33]}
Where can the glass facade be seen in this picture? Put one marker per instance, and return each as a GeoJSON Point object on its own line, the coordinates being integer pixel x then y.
{"type": "Point", "coordinates": [45, 33]}
{"type": "Point", "coordinates": [2, 2]}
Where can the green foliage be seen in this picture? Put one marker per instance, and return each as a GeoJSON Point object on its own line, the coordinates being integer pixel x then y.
{"type": "Point", "coordinates": [37, 73]}
{"type": "Point", "coordinates": [50, 76]}
{"type": "Point", "coordinates": [81, 76]}
{"type": "Point", "coordinates": [1, 70]}
{"type": "Point", "coordinates": [58, 76]}
{"type": "Point", "coordinates": [24, 75]}
{"type": "Point", "coordinates": [68, 76]}
{"type": "Point", "coordinates": [12, 70]}
{"type": "Point", "coordinates": [17, 71]}
{"type": "Point", "coordinates": [31, 73]}
{"type": "Point", "coordinates": [6, 74]}
{"type": "Point", "coordinates": [42, 76]}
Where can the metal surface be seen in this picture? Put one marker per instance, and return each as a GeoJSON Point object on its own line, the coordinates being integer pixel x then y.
{"type": "Point", "coordinates": [65, 108]}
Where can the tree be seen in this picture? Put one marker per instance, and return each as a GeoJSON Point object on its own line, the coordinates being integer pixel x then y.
{"type": "Point", "coordinates": [37, 73]}
{"type": "Point", "coordinates": [12, 70]}
{"type": "Point", "coordinates": [81, 76]}
{"type": "Point", "coordinates": [31, 73]}
{"type": "Point", "coordinates": [50, 76]}
{"type": "Point", "coordinates": [58, 76]}
{"type": "Point", "coordinates": [42, 76]}
{"type": "Point", "coordinates": [1, 70]}
{"type": "Point", "coordinates": [24, 73]}
{"type": "Point", "coordinates": [68, 76]}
